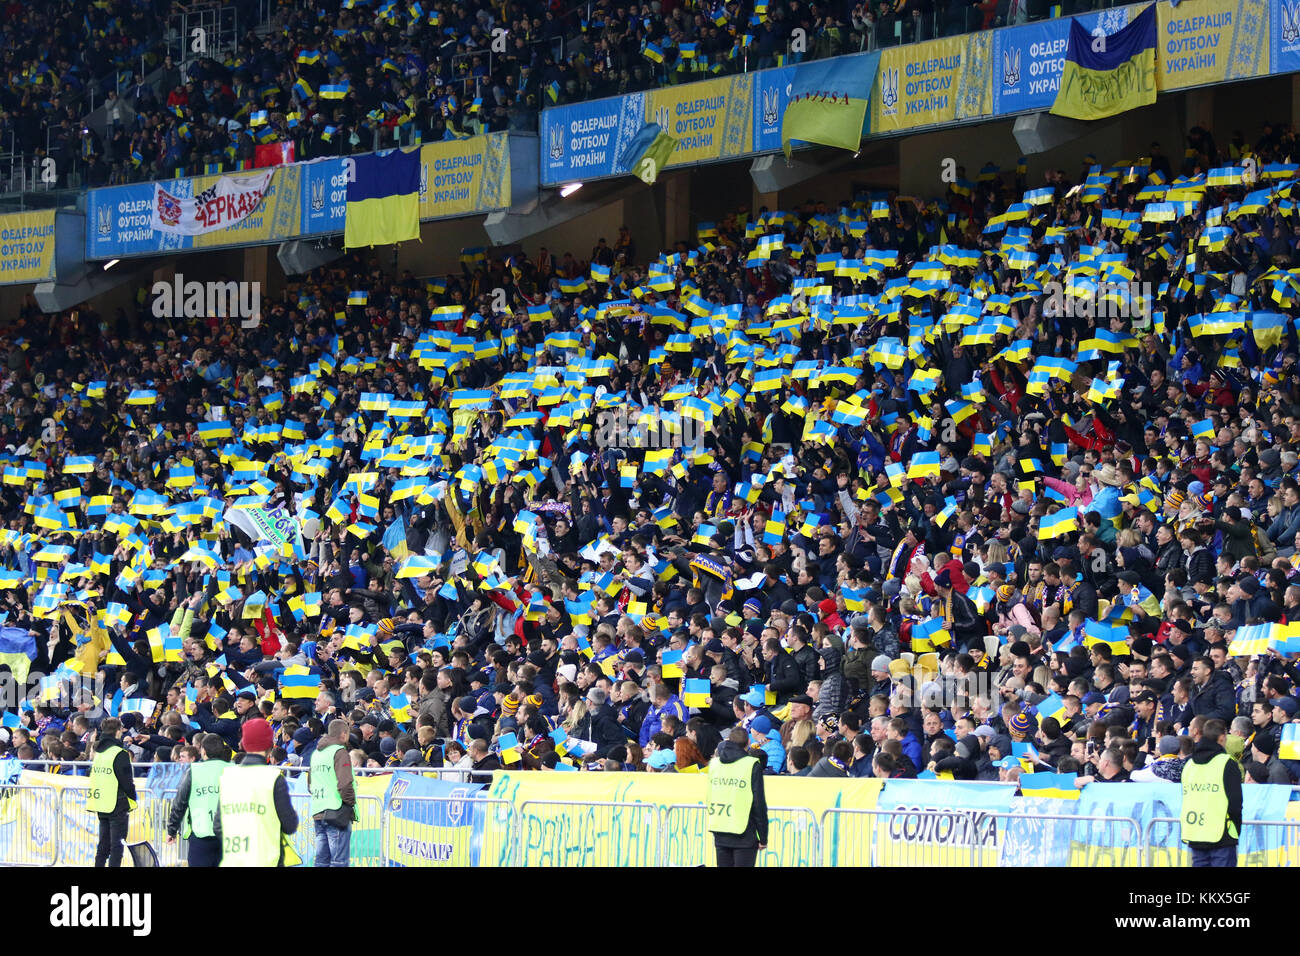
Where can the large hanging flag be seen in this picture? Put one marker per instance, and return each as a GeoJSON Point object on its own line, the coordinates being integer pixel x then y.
{"type": "Point", "coordinates": [648, 153]}
{"type": "Point", "coordinates": [828, 104]}
{"type": "Point", "coordinates": [1108, 75]}
{"type": "Point", "coordinates": [383, 204]}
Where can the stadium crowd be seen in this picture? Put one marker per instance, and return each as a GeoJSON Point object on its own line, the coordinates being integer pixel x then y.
{"type": "Point", "coordinates": [349, 76]}
{"type": "Point", "coordinates": [851, 478]}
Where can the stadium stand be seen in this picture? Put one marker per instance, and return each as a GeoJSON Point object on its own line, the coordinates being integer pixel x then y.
{"type": "Point", "coordinates": [1137, 556]}
{"type": "Point", "coordinates": [354, 77]}
{"type": "Point", "coordinates": [993, 483]}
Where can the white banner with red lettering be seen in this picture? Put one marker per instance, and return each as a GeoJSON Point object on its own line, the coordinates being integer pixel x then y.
{"type": "Point", "coordinates": [220, 206]}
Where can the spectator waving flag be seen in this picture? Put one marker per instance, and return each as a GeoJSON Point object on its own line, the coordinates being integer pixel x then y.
{"type": "Point", "coordinates": [828, 104]}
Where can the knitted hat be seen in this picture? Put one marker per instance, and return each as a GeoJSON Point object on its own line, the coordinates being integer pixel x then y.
{"type": "Point", "coordinates": [1005, 592]}
{"type": "Point", "coordinates": [1022, 724]}
{"type": "Point", "coordinates": [510, 704]}
{"type": "Point", "coordinates": [880, 663]}
{"type": "Point", "coordinates": [256, 736]}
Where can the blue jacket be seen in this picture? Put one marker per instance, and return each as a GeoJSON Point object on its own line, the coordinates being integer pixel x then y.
{"type": "Point", "coordinates": [775, 754]}
{"type": "Point", "coordinates": [654, 718]}
{"type": "Point", "coordinates": [912, 750]}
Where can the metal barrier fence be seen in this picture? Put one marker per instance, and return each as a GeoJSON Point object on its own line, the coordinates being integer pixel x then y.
{"type": "Point", "coordinates": [409, 834]}
{"type": "Point", "coordinates": [1261, 843]}
{"type": "Point", "coordinates": [44, 825]}
{"type": "Point", "coordinates": [963, 837]}
{"type": "Point", "coordinates": [685, 839]}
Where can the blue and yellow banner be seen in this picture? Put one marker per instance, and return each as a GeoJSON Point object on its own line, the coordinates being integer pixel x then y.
{"type": "Point", "coordinates": [940, 81]}
{"type": "Point", "coordinates": [1108, 75]}
{"type": "Point", "coordinates": [26, 247]}
{"type": "Point", "coordinates": [461, 177]}
{"type": "Point", "coordinates": [710, 120]}
{"type": "Point", "coordinates": [1284, 36]}
{"type": "Point", "coordinates": [828, 104]}
{"type": "Point", "coordinates": [1210, 41]}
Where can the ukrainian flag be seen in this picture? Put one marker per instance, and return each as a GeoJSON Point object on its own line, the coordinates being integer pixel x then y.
{"type": "Point", "coordinates": [1105, 79]}
{"type": "Point", "coordinates": [924, 465]}
{"type": "Point", "coordinates": [828, 104]}
{"type": "Point", "coordinates": [383, 203]}
{"type": "Point", "coordinates": [1289, 746]}
{"type": "Point", "coordinates": [648, 152]}
{"type": "Point", "coordinates": [1061, 522]}
{"type": "Point", "coordinates": [299, 683]}
{"type": "Point", "coordinates": [1059, 786]}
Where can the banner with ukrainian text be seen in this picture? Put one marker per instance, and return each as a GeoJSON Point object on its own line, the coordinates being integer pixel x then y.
{"type": "Point", "coordinates": [615, 819]}
{"type": "Point", "coordinates": [1210, 41]}
{"type": "Point", "coordinates": [1108, 75]}
{"type": "Point", "coordinates": [464, 176]}
{"type": "Point", "coordinates": [828, 104]}
{"type": "Point", "coordinates": [223, 204]}
{"type": "Point", "coordinates": [710, 120]}
{"type": "Point", "coordinates": [27, 247]}
{"type": "Point", "coordinates": [939, 81]}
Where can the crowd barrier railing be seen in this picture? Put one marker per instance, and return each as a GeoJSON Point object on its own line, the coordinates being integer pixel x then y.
{"type": "Point", "coordinates": [33, 812]}
{"type": "Point", "coordinates": [596, 833]}
{"type": "Point", "coordinates": [1261, 842]}
{"type": "Point", "coordinates": [45, 825]}
{"type": "Point", "coordinates": [405, 837]}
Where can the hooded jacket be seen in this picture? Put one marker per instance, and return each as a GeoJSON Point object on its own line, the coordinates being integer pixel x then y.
{"type": "Point", "coordinates": [831, 699]}
{"type": "Point", "coordinates": [756, 833]}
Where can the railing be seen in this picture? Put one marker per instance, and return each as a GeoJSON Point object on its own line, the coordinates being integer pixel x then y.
{"type": "Point", "coordinates": [1261, 842]}
{"type": "Point", "coordinates": [412, 830]}
{"type": "Point", "coordinates": [48, 825]}
{"type": "Point", "coordinates": [685, 837]}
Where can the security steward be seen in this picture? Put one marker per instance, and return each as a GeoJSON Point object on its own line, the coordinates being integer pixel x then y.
{"type": "Point", "coordinates": [333, 797]}
{"type": "Point", "coordinates": [1211, 811]}
{"type": "Point", "coordinates": [111, 793]}
{"type": "Point", "coordinates": [195, 804]}
{"type": "Point", "coordinates": [737, 802]}
{"type": "Point", "coordinates": [254, 812]}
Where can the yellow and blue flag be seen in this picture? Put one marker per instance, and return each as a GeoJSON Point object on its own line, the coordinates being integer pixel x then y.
{"type": "Point", "coordinates": [383, 203]}
{"type": "Point", "coordinates": [1056, 785]}
{"type": "Point", "coordinates": [299, 683]}
{"type": "Point", "coordinates": [647, 154]}
{"type": "Point", "coordinates": [1058, 523]}
{"type": "Point", "coordinates": [828, 104]}
{"type": "Point", "coordinates": [1105, 76]}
